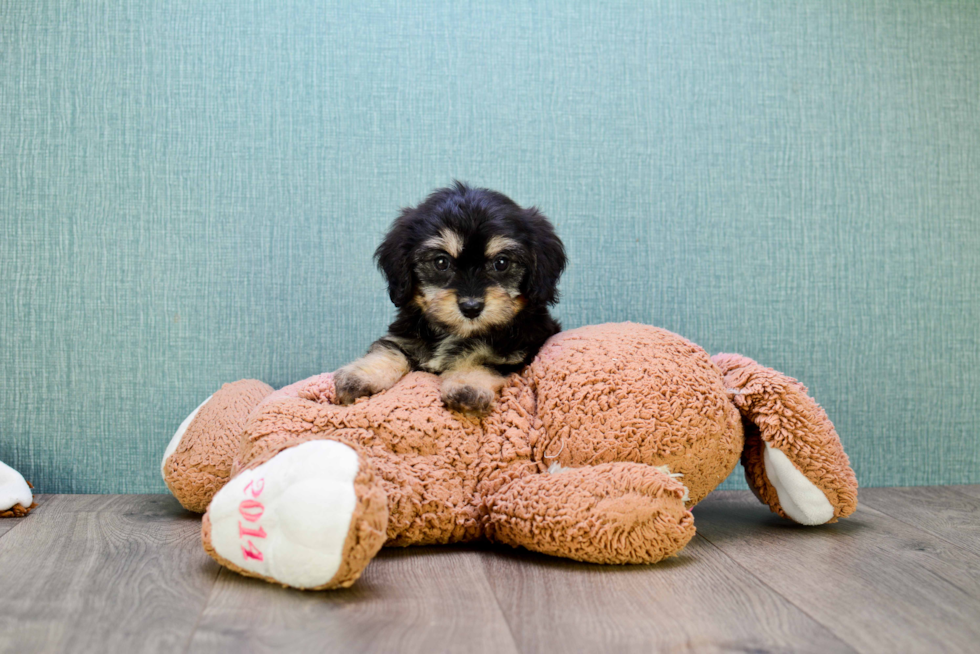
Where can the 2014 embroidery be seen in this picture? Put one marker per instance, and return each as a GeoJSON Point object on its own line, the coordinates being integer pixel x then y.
{"type": "Point", "coordinates": [251, 510]}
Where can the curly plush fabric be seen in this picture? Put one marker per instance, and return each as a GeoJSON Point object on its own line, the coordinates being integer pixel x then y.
{"type": "Point", "coordinates": [628, 392]}
{"type": "Point", "coordinates": [610, 513]}
{"type": "Point", "coordinates": [200, 464]}
{"type": "Point", "coordinates": [780, 412]}
{"type": "Point", "coordinates": [594, 395]}
{"type": "Point", "coordinates": [596, 451]}
{"type": "Point", "coordinates": [429, 461]}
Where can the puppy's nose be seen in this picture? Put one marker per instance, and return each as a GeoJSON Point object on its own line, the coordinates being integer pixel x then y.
{"type": "Point", "coordinates": [470, 307]}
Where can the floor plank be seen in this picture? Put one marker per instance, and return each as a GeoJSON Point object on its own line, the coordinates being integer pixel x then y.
{"type": "Point", "coordinates": [127, 574]}
{"type": "Point", "coordinates": [408, 600]}
{"type": "Point", "coordinates": [943, 512]}
{"type": "Point", "coordinates": [698, 601]}
{"type": "Point", "coordinates": [876, 582]}
{"type": "Point", "coordinates": [6, 524]}
{"type": "Point", "coordinates": [972, 491]}
{"type": "Point", "coordinates": [103, 573]}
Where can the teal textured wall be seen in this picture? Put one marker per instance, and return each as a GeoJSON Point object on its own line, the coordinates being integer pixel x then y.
{"type": "Point", "coordinates": [190, 194]}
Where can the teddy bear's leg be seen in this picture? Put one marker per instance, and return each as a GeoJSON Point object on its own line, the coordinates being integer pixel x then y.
{"type": "Point", "coordinates": [312, 517]}
{"type": "Point", "coordinates": [609, 513]}
{"type": "Point", "coordinates": [198, 460]}
{"type": "Point", "coordinates": [793, 458]}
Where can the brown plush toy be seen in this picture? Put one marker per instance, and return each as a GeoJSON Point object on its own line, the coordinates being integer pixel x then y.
{"type": "Point", "coordinates": [596, 451]}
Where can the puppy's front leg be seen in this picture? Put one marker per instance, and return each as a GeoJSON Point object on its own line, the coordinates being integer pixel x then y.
{"type": "Point", "coordinates": [377, 371]}
{"type": "Point", "coordinates": [471, 388]}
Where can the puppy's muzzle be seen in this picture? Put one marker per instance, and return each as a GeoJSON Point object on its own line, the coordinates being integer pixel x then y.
{"type": "Point", "coordinates": [471, 307]}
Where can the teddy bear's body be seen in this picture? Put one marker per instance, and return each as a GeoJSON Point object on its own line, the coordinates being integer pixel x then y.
{"type": "Point", "coordinates": [595, 451]}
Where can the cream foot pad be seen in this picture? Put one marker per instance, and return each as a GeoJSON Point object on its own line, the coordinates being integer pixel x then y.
{"type": "Point", "coordinates": [800, 499]}
{"type": "Point", "coordinates": [288, 518]}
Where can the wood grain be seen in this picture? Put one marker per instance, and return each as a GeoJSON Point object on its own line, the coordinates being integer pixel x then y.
{"type": "Point", "coordinates": [408, 600]}
{"type": "Point", "coordinates": [103, 573]}
{"type": "Point", "coordinates": [943, 512]}
{"type": "Point", "coordinates": [879, 584]}
{"type": "Point", "coordinates": [6, 524]}
{"type": "Point", "coordinates": [698, 601]}
{"type": "Point", "coordinates": [972, 491]}
{"type": "Point", "coordinates": [127, 574]}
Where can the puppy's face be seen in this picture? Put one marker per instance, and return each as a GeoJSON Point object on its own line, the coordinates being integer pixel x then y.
{"type": "Point", "coordinates": [471, 259]}
{"type": "Point", "coordinates": [469, 283]}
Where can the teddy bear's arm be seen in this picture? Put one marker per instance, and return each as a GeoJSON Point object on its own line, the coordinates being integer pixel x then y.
{"type": "Point", "coordinates": [793, 458]}
{"type": "Point", "coordinates": [610, 513]}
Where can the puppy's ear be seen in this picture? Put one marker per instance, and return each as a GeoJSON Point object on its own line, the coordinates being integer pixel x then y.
{"type": "Point", "coordinates": [394, 258]}
{"type": "Point", "coordinates": [547, 260]}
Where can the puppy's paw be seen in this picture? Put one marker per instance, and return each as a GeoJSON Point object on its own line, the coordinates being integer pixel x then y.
{"type": "Point", "coordinates": [378, 371]}
{"type": "Point", "coordinates": [474, 400]}
{"type": "Point", "coordinates": [350, 384]}
{"type": "Point", "coordinates": [471, 390]}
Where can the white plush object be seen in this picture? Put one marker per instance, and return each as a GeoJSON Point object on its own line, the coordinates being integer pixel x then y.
{"type": "Point", "coordinates": [302, 500]}
{"type": "Point", "coordinates": [13, 489]}
{"type": "Point", "coordinates": [800, 499]}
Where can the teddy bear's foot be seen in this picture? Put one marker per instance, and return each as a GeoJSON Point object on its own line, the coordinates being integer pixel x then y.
{"type": "Point", "coordinates": [800, 499]}
{"type": "Point", "coordinates": [793, 458]}
{"type": "Point", "coordinates": [609, 513]}
{"type": "Point", "coordinates": [16, 498]}
{"type": "Point", "coordinates": [311, 517]}
{"type": "Point", "coordinates": [198, 460]}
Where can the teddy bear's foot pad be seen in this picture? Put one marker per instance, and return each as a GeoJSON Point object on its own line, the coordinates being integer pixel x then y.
{"type": "Point", "coordinates": [800, 498]}
{"type": "Point", "coordinates": [287, 520]}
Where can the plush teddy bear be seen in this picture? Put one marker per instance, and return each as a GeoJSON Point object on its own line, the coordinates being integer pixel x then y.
{"type": "Point", "coordinates": [596, 451]}
{"type": "Point", "coordinates": [16, 499]}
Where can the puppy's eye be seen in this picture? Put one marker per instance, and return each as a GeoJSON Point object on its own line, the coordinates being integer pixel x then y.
{"type": "Point", "coordinates": [500, 264]}
{"type": "Point", "coordinates": [441, 262]}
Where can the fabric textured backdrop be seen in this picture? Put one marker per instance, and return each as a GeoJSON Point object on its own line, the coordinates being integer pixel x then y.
{"type": "Point", "coordinates": [190, 194]}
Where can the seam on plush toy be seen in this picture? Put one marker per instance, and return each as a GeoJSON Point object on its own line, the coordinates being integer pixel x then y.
{"type": "Point", "coordinates": [555, 456]}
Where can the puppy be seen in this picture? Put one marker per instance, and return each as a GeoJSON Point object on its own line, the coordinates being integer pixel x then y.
{"type": "Point", "coordinates": [472, 274]}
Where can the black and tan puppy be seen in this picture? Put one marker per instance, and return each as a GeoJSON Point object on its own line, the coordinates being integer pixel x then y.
{"type": "Point", "coordinates": [472, 274]}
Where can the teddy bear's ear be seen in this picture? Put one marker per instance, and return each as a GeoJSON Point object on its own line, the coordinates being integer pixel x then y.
{"type": "Point", "coordinates": [394, 258]}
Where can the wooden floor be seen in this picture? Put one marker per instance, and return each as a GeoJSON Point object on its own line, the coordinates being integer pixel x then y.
{"type": "Point", "coordinates": [126, 573]}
